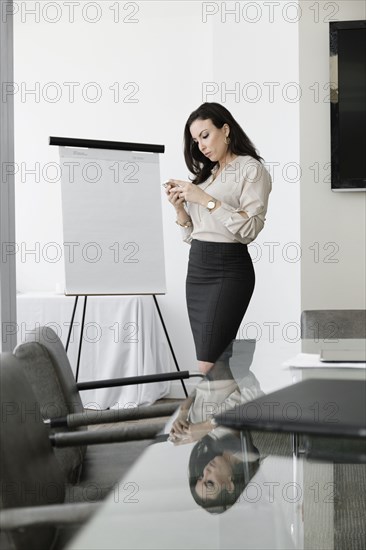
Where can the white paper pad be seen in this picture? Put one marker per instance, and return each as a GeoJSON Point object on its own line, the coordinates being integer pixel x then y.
{"type": "Point", "coordinates": [312, 360]}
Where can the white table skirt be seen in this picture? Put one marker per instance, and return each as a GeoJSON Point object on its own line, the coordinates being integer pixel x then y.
{"type": "Point", "coordinates": [123, 336]}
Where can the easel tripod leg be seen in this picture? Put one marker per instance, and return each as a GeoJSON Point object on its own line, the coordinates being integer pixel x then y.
{"type": "Point", "coordinates": [71, 323]}
{"type": "Point", "coordinates": [169, 343]}
{"type": "Point", "coordinates": [81, 339]}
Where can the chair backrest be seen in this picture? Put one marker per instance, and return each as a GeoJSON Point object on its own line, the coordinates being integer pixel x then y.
{"type": "Point", "coordinates": [30, 474]}
{"type": "Point", "coordinates": [331, 324]}
{"type": "Point", "coordinates": [46, 365]}
{"type": "Point", "coordinates": [52, 372]}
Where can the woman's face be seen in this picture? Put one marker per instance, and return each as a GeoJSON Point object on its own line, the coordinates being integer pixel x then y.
{"type": "Point", "coordinates": [210, 139]}
{"type": "Point", "coordinates": [216, 477]}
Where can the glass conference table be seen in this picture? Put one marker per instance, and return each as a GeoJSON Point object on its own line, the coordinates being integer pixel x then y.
{"type": "Point", "coordinates": [213, 487]}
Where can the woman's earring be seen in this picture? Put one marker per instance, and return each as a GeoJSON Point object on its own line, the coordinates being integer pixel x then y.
{"type": "Point", "coordinates": [227, 140]}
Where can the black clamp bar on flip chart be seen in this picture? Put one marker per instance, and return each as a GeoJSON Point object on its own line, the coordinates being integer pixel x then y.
{"type": "Point", "coordinates": [100, 144]}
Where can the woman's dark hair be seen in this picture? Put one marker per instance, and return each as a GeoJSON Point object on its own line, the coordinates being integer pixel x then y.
{"type": "Point", "coordinates": [240, 144]}
{"type": "Point", "coordinates": [205, 450]}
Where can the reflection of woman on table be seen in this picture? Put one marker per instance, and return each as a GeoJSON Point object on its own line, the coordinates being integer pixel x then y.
{"type": "Point", "coordinates": [216, 393]}
{"type": "Point", "coordinates": [220, 467]}
{"type": "Point", "coordinates": [220, 211]}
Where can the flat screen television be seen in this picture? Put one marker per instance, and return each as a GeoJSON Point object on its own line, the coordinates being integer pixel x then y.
{"type": "Point", "coordinates": [348, 105]}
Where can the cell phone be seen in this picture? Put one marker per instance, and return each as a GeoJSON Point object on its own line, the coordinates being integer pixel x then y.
{"type": "Point", "coordinates": [169, 183]}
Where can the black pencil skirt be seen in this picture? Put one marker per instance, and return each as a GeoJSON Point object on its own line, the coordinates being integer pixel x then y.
{"type": "Point", "coordinates": [219, 285]}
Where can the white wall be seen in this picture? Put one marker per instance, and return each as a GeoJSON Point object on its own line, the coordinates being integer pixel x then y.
{"type": "Point", "coordinates": [170, 54]}
{"type": "Point", "coordinates": [332, 224]}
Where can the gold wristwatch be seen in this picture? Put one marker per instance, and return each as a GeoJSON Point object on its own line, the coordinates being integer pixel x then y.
{"type": "Point", "coordinates": [211, 205]}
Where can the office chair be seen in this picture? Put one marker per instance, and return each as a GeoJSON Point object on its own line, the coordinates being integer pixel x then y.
{"type": "Point", "coordinates": [33, 485]}
{"type": "Point", "coordinates": [47, 368]}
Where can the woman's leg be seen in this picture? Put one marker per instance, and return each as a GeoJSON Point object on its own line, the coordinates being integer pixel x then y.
{"type": "Point", "coordinates": [204, 366]}
{"type": "Point", "coordinates": [219, 285]}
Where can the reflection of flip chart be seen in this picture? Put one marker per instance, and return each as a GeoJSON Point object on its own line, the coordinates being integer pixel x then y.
{"type": "Point", "coordinates": [112, 221]}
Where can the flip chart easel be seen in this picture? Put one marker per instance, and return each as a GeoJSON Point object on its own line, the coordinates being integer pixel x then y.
{"type": "Point", "coordinates": [112, 221]}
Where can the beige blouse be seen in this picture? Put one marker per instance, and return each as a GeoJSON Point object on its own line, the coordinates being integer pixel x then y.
{"type": "Point", "coordinates": [243, 185]}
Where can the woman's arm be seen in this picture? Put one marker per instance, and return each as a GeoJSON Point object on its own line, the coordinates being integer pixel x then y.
{"type": "Point", "coordinates": [183, 217]}
{"type": "Point", "coordinates": [181, 423]}
{"type": "Point", "coordinates": [247, 220]}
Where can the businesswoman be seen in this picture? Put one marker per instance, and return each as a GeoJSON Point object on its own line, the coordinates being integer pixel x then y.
{"type": "Point", "coordinates": [220, 211]}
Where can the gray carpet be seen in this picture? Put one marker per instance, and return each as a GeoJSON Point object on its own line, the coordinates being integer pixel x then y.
{"type": "Point", "coordinates": [350, 507]}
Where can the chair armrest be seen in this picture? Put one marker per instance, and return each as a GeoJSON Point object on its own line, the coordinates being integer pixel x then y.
{"type": "Point", "coordinates": [98, 437]}
{"type": "Point", "coordinates": [92, 417]}
{"type": "Point", "coordinates": [55, 514]}
{"type": "Point", "coordinates": [132, 380]}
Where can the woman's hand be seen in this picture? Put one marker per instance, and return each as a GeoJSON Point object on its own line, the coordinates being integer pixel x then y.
{"type": "Point", "coordinates": [188, 192]}
{"type": "Point", "coordinates": [188, 433]}
{"type": "Point", "coordinates": [174, 198]}
{"type": "Point", "coordinates": [195, 432]}
{"type": "Point", "coordinates": [180, 424]}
